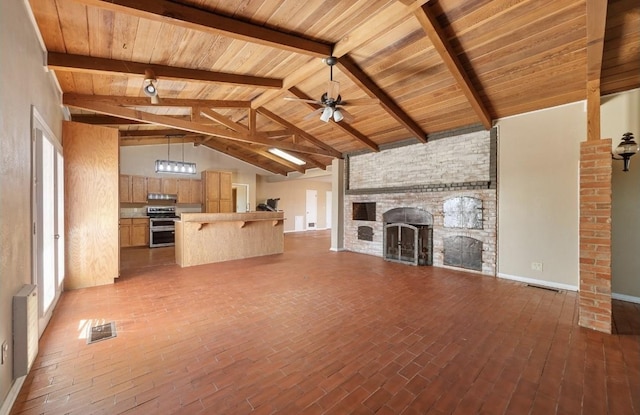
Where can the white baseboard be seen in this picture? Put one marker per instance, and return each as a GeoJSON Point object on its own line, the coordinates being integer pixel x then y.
{"type": "Point", "coordinates": [541, 283]}
{"type": "Point", "coordinates": [624, 297]}
{"type": "Point", "coordinates": [337, 249]}
{"type": "Point", "coordinates": [12, 396]}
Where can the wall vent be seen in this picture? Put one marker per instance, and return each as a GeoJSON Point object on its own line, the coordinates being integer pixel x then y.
{"type": "Point", "coordinates": [25, 330]}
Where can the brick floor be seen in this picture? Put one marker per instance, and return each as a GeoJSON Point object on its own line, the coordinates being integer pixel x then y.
{"type": "Point", "coordinates": [318, 332]}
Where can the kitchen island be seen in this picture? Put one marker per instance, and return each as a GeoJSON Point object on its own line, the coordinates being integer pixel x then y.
{"type": "Point", "coordinates": [204, 238]}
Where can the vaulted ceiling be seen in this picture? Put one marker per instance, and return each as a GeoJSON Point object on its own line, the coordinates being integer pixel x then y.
{"type": "Point", "coordinates": [405, 68]}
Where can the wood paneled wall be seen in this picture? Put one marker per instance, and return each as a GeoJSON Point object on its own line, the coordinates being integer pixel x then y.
{"type": "Point", "coordinates": [91, 204]}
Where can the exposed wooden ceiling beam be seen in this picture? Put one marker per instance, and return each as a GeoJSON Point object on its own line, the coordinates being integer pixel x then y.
{"type": "Point", "coordinates": [167, 121]}
{"type": "Point", "coordinates": [144, 141]}
{"type": "Point", "coordinates": [596, 23]}
{"type": "Point", "coordinates": [375, 26]}
{"type": "Point", "coordinates": [170, 132]}
{"type": "Point", "coordinates": [219, 118]}
{"type": "Point", "coordinates": [339, 125]}
{"type": "Point", "coordinates": [439, 40]}
{"type": "Point", "coordinates": [278, 133]}
{"type": "Point", "coordinates": [102, 119]}
{"type": "Point", "coordinates": [164, 102]}
{"type": "Point", "coordinates": [79, 63]}
{"type": "Point", "coordinates": [197, 19]}
{"type": "Point", "coordinates": [225, 147]}
{"type": "Point", "coordinates": [357, 75]}
{"type": "Point", "coordinates": [298, 131]}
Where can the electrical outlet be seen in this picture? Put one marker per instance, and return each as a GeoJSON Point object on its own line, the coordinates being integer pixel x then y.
{"type": "Point", "coordinates": [536, 266]}
{"type": "Point", "coordinates": [5, 350]}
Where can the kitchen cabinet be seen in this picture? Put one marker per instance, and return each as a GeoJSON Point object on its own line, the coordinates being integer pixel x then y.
{"type": "Point", "coordinates": [217, 193]}
{"type": "Point", "coordinates": [226, 193]}
{"type": "Point", "coordinates": [196, 191]}
{"type": "Point", "coordinates": [154, 185]}
{"type": "Point", "coordinates": [169, 185]}
{"type": "Point", "coordinates": [138, 189]}
{"type": "Point", "coordinates": [125, 233]}
{"type": "Point", "coordinates": [133, 189]}
{"type": "Point", "coordinates": [184, 191]}
{"type": "Point", "coordinates": [134, 232]}
{"type": "Point", "coordinates": [125, 188]}
{"type": "Point", "coordinates": [140, 232]}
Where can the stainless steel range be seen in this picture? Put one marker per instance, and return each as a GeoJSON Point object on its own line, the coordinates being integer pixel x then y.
{"type": "Point", "coordinates": [162, 227]}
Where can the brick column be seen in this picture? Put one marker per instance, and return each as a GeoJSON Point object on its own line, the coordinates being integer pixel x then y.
{"type": "Point", "coordinates": [595, 235]}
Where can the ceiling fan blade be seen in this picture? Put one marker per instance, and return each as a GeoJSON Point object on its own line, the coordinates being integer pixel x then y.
{"type": "Point", "coordinates": [333, 90]}
{"type": "Point", "coordinates": [360, 101]}
{"type": "Point", "coordinates": [310, 101]}
{"type": "Point", "coordinates": [346, 115]}
{"type": "Point", "coordinates": [313, 114]}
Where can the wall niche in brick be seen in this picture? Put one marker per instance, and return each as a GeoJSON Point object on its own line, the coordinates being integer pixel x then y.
{"type": "Point", "coordinates": [365, 233]}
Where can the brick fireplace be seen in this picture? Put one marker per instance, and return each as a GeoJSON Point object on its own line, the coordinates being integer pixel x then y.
{"type": "Point", "coordinates": [430, 203]}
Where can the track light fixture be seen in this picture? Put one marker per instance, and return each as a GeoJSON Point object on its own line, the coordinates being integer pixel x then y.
{"type": "Point", "coordinates": [149, 86]}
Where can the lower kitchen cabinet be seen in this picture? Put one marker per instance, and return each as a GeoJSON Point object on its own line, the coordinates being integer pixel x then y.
{"type": "Point", "coordinates": [134, 232]}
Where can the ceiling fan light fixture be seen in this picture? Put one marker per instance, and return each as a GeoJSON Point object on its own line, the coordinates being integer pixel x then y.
{"type": "Point", "coordinates": [326, 114]}
{"type": "Point", "coordinates": [337, 115]}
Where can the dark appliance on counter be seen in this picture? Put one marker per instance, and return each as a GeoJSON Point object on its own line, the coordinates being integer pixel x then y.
{"type": "Point", "coordinates": [270, 206]}
{"type": "Point", "coordinates": [162, 227]}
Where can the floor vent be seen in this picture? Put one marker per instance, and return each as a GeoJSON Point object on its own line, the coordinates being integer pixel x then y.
{"type": "Point", "coordinates": [555, 290]}
{"type": "Point", "coordinates": [102, 332]}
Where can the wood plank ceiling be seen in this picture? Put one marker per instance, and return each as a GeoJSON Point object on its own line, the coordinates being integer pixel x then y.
{"type": "Point", "coordinates": [223, 68]}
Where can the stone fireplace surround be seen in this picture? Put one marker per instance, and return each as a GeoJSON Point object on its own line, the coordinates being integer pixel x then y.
{"type": "Point", "coordinates": [424, 176]}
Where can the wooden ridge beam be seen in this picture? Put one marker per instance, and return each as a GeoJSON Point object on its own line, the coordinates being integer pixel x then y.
{"type": "Point", "coordinates": [197, 19]}
{"type": "Point", "coordinates": [89, 64]}
{"type": "Point", "coordinates": [164, 102]}
{"type": "Point", "coordinates": [357, 75]}
{"type": "Point", "coordinates": [439, 40]}
{"type": "Point", "coordinates": [276, 118]}
{"type": "Point", "coordinates": [149, 141]}
{"type": "Point", "coordinates": [345, 127]}
{"type": "Point", "coordinates": [170, 122]}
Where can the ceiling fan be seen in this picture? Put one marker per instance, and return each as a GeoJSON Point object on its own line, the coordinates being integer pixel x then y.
{"type": "Point", "coordinates": [149, 86]}
{"type": "Point", "coordinates": [332, 104]}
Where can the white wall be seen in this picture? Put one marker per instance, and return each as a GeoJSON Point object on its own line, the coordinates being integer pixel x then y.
{"type": "Point", "coordinates": [23, 83]}
{"type": "Point", "coordinates": [293, 198]}
{"type": "Point", "coordinates": [621, 114]}
{"type": "Point", "coordinates": [538, 190]}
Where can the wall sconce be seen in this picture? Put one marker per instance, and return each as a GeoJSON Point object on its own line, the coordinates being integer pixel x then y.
{"type": "Point", "coordinates": [627, 148]}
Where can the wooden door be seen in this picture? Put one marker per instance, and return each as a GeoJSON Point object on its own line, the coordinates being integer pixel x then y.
{"type": "Point", "coordinates": [91, 204]}
{"type": "Point", "coordinates": [138, 189]}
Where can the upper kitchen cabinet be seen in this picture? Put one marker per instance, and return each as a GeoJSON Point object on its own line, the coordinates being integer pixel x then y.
{"type": "Point", "coordinates": [133, 189]}
{"type": "Point", "coordinates": [217, 193]}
